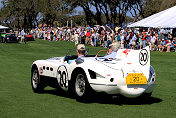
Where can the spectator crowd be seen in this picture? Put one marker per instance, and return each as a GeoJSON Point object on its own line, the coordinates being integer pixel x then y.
{"type": "Point", "coordinates": [101, 36]}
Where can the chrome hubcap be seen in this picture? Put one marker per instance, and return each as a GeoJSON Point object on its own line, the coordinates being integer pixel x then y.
{"type": "Point", "coordinates": [35, 79]}
{"type": "Point", "coordinates": [80, 85]}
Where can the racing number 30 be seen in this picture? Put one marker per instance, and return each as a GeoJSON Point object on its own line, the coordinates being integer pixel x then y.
{"type": "Point", "coordinates": [62, 77]}
{"type": "Point", "coordinates": [143, 57]}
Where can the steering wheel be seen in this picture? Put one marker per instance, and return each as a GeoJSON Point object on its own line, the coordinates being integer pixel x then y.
{"type": "Point", "coordinates": [101, 51]}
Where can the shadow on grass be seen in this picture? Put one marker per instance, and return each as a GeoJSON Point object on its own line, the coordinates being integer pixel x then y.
{"type": "Point", "coordinates": [102, 98]}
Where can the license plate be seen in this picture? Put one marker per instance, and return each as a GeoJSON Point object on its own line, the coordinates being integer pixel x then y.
{"type": "Point", "coordinates": [136, 78]}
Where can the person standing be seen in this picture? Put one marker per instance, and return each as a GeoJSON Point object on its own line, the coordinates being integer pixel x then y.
{"type": "Point", "coordinates": [51, 35]}
{"type": "Point", "coordinates": [75, 37]}
{"type": "Point", "coordinates": [169, 36]}
{"type": "Point", "coordinates": [128, 39]}
{"type": "Point", "coordinates": [48, 34]}
{"type": "Point", "coordinates": [122, 40]}
{"type": "Point", "coordinates": [140, 40]}
{"type": "Point", "coordinates": [87, 37]}
{"type": "Point", "coordinates": [96, 39]}
{"type": "Point", "coordinates": [144, 39]}
{"type": "Point", "coordinates": [149, 37]}
{"type": "Point", "coordinates": [82, 37]}
{"type": "Point", "coordinates": [23, 36]}
{"type": "Point", "coordinates": [105, 40]}
{"type": "Point", "coordinates": [44, 34]}
{"type": "Point", "coordinates": [133, 41]}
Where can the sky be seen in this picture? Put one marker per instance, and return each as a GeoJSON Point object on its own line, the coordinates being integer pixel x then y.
{"type": "Point", "coordinates": [0, 4]}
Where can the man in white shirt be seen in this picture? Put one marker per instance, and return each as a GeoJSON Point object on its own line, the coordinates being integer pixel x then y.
{"type": "Point", "coordinates": [113, 50]}
{"type": "Point", "coordinates": [96, 39]}
{"type": "Point", "coordinates": [75, 37]}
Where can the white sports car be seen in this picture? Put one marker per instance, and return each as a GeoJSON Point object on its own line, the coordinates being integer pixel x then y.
{"type": "Point", "coordinates": [129, 74]}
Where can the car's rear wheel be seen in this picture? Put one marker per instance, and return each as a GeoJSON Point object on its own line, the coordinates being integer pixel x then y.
{"type": "Point", "coordinates": [80, 85]}
{"type": "Point", "coordinates": [1, 39]}
{"type": "Point", "coordinates": [82, 88]}
{"type": "Point", "coordinates": [36, 81]}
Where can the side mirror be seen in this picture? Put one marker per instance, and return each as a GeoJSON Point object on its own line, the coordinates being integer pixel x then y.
{"type": "Point", "coordinates": [79, 61]}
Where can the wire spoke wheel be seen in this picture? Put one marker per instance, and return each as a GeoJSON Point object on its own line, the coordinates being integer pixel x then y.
{"type": "Point", "coordinates": [35, 79]}
{"type": "Point", "coordinates": [36, 82]}
{"type": "Point", "coordinates": [80, 85]}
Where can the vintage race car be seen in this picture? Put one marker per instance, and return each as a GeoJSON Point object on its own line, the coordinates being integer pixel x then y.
{"type": "Point", "coordinates": [129, 74]}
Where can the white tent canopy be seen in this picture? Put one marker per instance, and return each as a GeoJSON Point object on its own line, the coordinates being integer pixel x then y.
{"type": "Point", "coordinates": [3, 27]}
{"type": "Point", "coordinates": [163, 19]}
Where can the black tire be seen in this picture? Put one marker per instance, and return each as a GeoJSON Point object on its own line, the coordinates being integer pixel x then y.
{"type": "Point", "coordinates": [3, 40]}
{"type": "Point", "coordinates": [146, 95]}
{"type": "Point", "coordinates": [36, 81]}
{"type": "Point", "coordinates": [82, 89]}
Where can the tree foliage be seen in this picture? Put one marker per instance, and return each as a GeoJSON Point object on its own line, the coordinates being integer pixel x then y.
{"type": "Point", "coordinates": [144, 8]}
{"type": "Point", "coordinates": [19, 13]}
{"type": "Point", "coordinates": [29, 13]}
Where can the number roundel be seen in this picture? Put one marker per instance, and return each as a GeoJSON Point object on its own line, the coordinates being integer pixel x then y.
{"type": "Point", "coordinates": [62, 77]}
{"type": "Point", "coordinates": [143, 57]}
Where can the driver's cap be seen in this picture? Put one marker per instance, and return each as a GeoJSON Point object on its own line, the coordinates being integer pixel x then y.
{"type": "Point", "coordinates": [81, 47]}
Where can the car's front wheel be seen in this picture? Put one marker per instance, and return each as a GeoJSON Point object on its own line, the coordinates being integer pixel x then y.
{"type": "Point", "coordinates": [36, 82]}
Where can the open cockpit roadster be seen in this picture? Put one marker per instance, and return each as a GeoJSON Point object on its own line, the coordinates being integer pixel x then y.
{"type": "Point", "coordinates": [129, 74]}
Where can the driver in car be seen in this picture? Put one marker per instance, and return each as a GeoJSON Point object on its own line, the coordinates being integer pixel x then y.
{"type": "Point", "coordinates": [113, 48]}
{"type": "Point", "coordinates": [81, 50]}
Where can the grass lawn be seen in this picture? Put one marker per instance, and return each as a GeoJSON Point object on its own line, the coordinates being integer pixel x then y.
{"type": "Point", "coordinates": [17, 99]}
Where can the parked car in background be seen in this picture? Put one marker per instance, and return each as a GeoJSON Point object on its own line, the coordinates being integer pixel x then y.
{"type": "Point", "coordinates": [29, 37]}
{"type": "Point", "coordinates": [8, 38]}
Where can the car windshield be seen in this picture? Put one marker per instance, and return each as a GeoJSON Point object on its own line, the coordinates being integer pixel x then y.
{"type": "Point", "coordinates": [90, 52]}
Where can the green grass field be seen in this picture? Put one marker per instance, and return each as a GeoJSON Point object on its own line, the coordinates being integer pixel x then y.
{"type": "Point", "coordinates": [17, 99]}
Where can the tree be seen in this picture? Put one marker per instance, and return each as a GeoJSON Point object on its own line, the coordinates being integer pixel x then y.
{"type": "Point", "coordinates": [110, 9]}
{"type": "Point", "coordinates": [19, 13]}
{"type": "Point", "coordinates": [52, 10]}
{"type": "Point", "coordinates": [79, 19]}
{"type": "Point", "coordinates": [144, 8]}
{"type": "Point", "coordinates": [29, 13]}
{"type": "Point", "coordinates": [170, 3]}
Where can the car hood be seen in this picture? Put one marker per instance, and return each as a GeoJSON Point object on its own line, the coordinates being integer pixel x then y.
{"type": "Point", "coordinates": [3, 35]}
{"type": "Point", "coordinates": [55, 59]}
{"type": "Point", "coordinates": [111, 63]}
